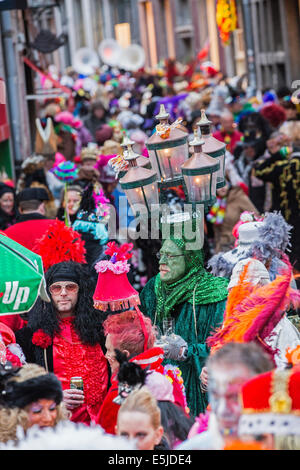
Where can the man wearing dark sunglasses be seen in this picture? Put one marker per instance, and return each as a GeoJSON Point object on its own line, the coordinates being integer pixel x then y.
{"type": "Point", "coordinates": [65, 336]}
{"type": "Point", "coordinates": [64, 296]}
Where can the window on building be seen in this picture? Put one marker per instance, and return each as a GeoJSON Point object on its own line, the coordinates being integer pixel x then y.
{"type": "Point", "coordinates": [121, 11]}
{"type": "Point", "coordinates": [97, 21]}
{"type": "Point", "coordinates": [79, 26]}
{"type": "Point", "coordinates": [276, 24]}
{"type": "Point", "coordinates": [183, 14]}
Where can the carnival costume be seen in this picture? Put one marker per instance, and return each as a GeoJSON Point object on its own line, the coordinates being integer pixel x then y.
{"type": "Point", "coordinates": [114, 295]}
{"type": "Point", "coordinates": [262, 237]}
{"type": "Point", "coordinates": [150, 360]}
{"type": "Point", "coordinates": [196, 302]}
{"type": "Point", "coordinates": [271, 404]}
{"type": "Point", "coordinates": [256, 311]}
{"type": "Point", "coordinates": [71, 346]}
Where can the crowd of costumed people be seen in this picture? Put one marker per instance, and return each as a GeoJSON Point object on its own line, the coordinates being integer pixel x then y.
{"type": "Point", "coordinates": [226, 376]}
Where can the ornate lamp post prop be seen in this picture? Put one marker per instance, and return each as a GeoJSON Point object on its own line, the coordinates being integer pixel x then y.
{"type": "Point", "coordinates": [213, 147]}
{"type": "Point", "coordinates": [168, 150]}
{"type": "Point", "coordinates": [200, 174]}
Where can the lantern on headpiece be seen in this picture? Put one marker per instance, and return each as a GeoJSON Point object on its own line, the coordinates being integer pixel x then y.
{"type": "Point", "coordinates": [128, 151]}
{"type": "Point", "coordinates": [213, 147]}
{"type": "Point", "coordinates": [200, 174]}
{"type": "Point", "coordinates": [139, 185]}
{"type": "Point", "coordinates": [168, 149]}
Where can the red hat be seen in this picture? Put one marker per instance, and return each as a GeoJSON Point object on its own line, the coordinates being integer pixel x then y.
{"type": "Point", "coordinates": [113, 290]}
{"type": "Point", "coordinates": [271, 403]}
{"type": "Point", "coordinates": [60, 243]}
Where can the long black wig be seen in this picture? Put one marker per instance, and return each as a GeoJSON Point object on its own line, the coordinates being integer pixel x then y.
{"type": "Point", "coordinates": [88, 321]}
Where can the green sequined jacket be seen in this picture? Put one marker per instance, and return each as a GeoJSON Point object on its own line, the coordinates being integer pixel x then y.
{"type": "Point", "coordinates": [207, 318]}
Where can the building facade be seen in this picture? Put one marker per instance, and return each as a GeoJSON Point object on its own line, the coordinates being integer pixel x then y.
{"type": "Point", "coordinates": [265, 44]}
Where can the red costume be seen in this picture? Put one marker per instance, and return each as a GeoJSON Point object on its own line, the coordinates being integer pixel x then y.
{"type": "Point", "coordinates": [152, 359]}
{"type": "Point", "coordinates": [230, 139]}
{"type": "Point", "coordinates": [72, 358]}
{"type": "Point", "coordinates": [14, 322]}
{"type": "Point", "coordinates": [27, 233]}
{"type": "Point", "coordinates": [9, 350]}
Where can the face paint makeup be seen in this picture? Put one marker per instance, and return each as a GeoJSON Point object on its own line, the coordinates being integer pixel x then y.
{"type": "Point", "coordinates": [42, 413]}
{"type": "Point", "coordinates": [171, 262]}
{"type": "Point", "coordinates": [224, 385]}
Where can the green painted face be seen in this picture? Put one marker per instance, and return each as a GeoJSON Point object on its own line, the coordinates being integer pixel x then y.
{"type": "Point", "coordinates": [171, 263]}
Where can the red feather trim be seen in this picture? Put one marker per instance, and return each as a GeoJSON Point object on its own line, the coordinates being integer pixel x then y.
{"type": "Point", "coordinates": [60, 243]}
{"type": "Point", "coordinates": [121, 252]}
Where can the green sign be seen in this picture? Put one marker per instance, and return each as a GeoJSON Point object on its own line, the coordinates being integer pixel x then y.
{"type": "Point", "coordinates": [21, 277]}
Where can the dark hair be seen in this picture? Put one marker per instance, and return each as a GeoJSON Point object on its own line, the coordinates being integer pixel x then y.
{"type": "Point", "coordinates": [250, 355]}
{"type": "Point", "coordinates": [175, 422]}
{"type": "Point", "coordinates": [283, 91]}
{"type": "Point", "coordinates": [97, 104]}
{"type": "Point", "coordinates": [31, 205]}
{"type": "Point", "coordinates": [88, 320]}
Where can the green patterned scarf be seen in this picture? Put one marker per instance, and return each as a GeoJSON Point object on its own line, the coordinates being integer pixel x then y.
{"type": "Point", "coordinates": [197, 286]}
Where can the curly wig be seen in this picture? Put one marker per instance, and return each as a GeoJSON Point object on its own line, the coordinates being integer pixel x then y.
{"type": "Point", "coordinates": [88, 320]}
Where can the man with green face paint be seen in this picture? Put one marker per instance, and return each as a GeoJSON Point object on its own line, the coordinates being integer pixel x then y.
{"type": "Point", "coordinates": [185, 291]}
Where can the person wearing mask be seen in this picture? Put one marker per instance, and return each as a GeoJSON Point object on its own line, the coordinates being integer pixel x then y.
{"type": "Point", "coordinates": [226, 371]}
{"type": "Point", "coordinates": [70, 202]}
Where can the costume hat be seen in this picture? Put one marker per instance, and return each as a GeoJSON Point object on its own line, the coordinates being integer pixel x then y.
{"type": "Point", "coordinates": [252, 312]}
{"type": "Point", "coordinates": [91, 152]}
{"type": "Point", "coordinates": [113, 290]}
{"type": "Point", "coordinates": [60, 243]}
{"type": "Point", "coordinates": [264, 238]}
{"type": "Point", "coordinates": [66, 171]}
{"type": "Point", "coordinates": [271, 403]}
{"type": "Point", "coordinates": [20, 394]}
{"type": "Point", "coordinates": [257, 272]}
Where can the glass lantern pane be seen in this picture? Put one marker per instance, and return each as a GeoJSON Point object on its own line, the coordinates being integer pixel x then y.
{"type": "Point", "coordinates": [221, 171]}
{"type": "Point", "coordinates": [145, 195]}
{"type": "Point", "coordinates": [200, 188]}
{"type": "Point", "coordinates": [155, 163]}
{"type": "Point", "coordinates": [167, 162]}
{"type": "Point", "coordinates": [151, 194]}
